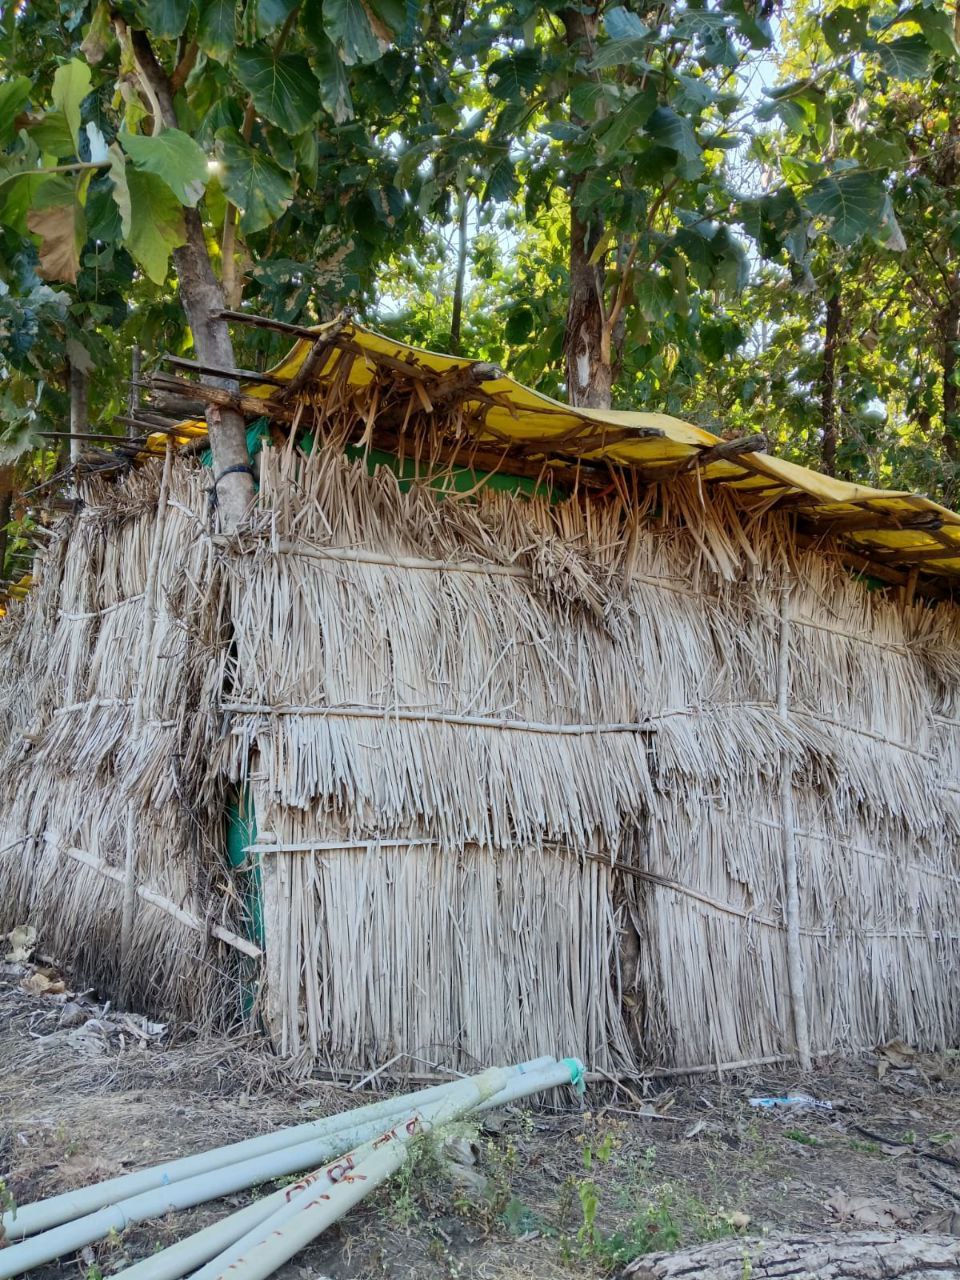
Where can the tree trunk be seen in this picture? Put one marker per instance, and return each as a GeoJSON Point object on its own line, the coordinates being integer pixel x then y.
{"type": "Point", "coordinates": [828, 385]}
{"type": "Point", "coordinates": [860, 1255]}
{"type": "Point", "coordinates": [949, 337]}
{"type": "Point", "coordinates": [586, 346]}
{"type": "Point", "coordinates": [79, 418]}
{"type": "Point", "coordinates": [6, 510]}
{"type": "Point", "coordinates": [202, 301]}
{"type": "Point", "coordinates": [456, 320]}
{"type": "Point", "coordinates": [133, 393]}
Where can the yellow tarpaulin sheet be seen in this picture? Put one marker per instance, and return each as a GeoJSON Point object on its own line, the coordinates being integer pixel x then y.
{"type": "Point", "coordinates": [876, 523]}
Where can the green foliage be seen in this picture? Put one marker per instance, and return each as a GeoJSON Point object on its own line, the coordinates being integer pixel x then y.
{"type": "Point", "coordinates": [217, 28]}
{"type": "Point", "coordinates": [282, 87]}
{"type": "Point", "coordinates": [152, 239]}
{"type": "Point", "coordinates": [172, 156]}
{"type": "Point", "coordinates": [661, 1215]}
{"type": "Point", "coordinates": [7, 1202]}
{"type": "Point", "coordinates": [805, 1139]}
{"type": "Point", "coordinates": [338, 140]}
{"type": "Point", "coordinates": [260, 188]}
{"type": "Point", "coordinates": [851, 203]}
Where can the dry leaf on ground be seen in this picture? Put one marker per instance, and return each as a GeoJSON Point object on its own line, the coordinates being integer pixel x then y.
{"type": "Point", "coordinates": [868, 1211]}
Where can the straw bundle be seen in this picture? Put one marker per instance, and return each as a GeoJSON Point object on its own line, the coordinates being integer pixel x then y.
{"type": "Point", "coordinates": [520, 770]}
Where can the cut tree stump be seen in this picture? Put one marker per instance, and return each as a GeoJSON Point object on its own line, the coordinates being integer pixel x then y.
{"type": "Point", "coordinates": [861, 1255]}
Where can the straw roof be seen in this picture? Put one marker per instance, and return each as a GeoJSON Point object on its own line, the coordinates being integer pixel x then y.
{"type": "Point", "coordinates": [512, 428]}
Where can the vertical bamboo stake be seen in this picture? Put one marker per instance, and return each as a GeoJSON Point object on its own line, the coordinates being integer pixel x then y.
{"type": "Point", "coordinates": [150, 591]}
{"type": "Point", "coordinates": [788, 819]}
{"type": "Point", "coordinates": [136, 725]}
{"type": "Point", "coordinates": [129, 903]}
{"type": "Point", "coordinates": [274, 923]}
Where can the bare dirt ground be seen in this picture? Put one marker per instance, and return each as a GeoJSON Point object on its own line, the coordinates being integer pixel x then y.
{"type": "Point", "coordinates": [549, 1193]}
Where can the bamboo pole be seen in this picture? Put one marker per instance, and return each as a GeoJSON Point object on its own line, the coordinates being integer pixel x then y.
{"type": "Point", "coordinates": [791, 885]}
{"type": "Point", "coordinates": [162, 903]}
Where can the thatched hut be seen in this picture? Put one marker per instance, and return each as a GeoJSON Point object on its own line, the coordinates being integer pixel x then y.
{"type": "Point", "coordinates": [501, 728]}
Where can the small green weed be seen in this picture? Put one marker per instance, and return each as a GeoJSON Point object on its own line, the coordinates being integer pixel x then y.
{"type": "Point", "coordinates": [666, 1217]}
{"type": "Point", "coordinates": [806, 1139]}
{"type": "Point", "coordinates": [71, 1145]}
{"type": "Point", "coordinates": [868, 1148]}
{"type": "Point", "coordinates": [7, 1202]}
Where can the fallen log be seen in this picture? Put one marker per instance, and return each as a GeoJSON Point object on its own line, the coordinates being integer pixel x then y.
{"type": "Point", "coordinates": [859, 1255]}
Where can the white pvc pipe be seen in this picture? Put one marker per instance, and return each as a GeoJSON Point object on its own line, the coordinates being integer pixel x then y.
{"type": "Point", "coordinates": [313, 1209]}
{"type": "Point", "coordinates": [299, 1197]}
{"type": "Point", "coordinates": [180, 1259]}
{"type": "Point", "coordinates": [211, 1185]}
{"type": "Point", "coordinates": [28, 1219]}
{"type": "Point", "coordinates": [71, 1236]}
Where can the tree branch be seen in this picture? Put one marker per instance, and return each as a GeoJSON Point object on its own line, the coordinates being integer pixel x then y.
{"type": "Point", "coordinates": [184, 67]}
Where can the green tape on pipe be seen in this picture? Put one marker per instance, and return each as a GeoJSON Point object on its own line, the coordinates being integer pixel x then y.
{"type": "Point", "coordinates": [576, 1069]}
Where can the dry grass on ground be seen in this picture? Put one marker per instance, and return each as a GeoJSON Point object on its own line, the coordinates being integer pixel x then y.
{"type": "Point", "coordinates": [550, 1193]}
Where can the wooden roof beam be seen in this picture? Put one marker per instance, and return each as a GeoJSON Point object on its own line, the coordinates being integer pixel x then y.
{"type": "Point", "coordinates": [920, 555]}
{"type": "Point", "coordinates": [214, 371]}
{"type": "Point", "coordinates": [727, 451]}
{"type": "Point", "coordinates": [881, 521]}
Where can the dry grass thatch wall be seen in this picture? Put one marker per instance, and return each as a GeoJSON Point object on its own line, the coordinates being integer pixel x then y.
{"type": "Point", "coordinates": [108, 698]}
{"type": "Point", "coordinates": [518, 771]}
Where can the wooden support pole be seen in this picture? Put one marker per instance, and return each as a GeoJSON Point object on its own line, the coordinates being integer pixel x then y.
{"type": "Point", "coordinates": [791, 893]}
{"type": "Point", "coordinates": [316, 359]}
{"type": "Point", "coordinates": [265, 322]}
{"type": "Point", "coordinates": [79, 422]}
{"type": "Point", "coordinates": [128, 903]}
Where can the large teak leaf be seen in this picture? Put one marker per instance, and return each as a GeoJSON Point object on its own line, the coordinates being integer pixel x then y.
{"type": "Point", "coordinates": [256, 184]}
{"type": "Point", "coordinates": [217, 28]}
{"type": "Point", "coordinates": [852, 203]}
{"type": "Point", "coordinates": [157, 223]}
{"type": "Point", "coordinates": [71, 84]}
{"type": "Point", "coordinates": [283, 89]}
{"type": "Point", "coordinates": [173, 156]}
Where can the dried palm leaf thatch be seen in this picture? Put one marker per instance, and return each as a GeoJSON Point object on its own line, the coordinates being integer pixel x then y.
{"type": "Point", "coordinates": [518, 769]}
{"type": "Point", "coordinates": [80, 790]}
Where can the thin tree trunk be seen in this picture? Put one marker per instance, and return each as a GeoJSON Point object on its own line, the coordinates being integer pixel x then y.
{"type": "Point", "coordinates": [456, 320]}
{"type": "Point", "coordinates": [946, 170]}
{"type": "Point", "coordinates": [949, 337]}
{"type": "Point", "coordinates": [6, 511]}
{"type": "Point", "coordinates": [586, 347]}
{"type": "Point", "coordinates": [133, 393]}
{"type": "Point", "coordinates": [828, 385]}
{"type": "Point", "coordinates": [79, 418]}
{"type": "Point", "coordinates": [202, 301]}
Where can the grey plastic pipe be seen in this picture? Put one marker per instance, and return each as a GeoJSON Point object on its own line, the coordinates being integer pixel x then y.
{"type": "Point", "coordinates": [180, 1259]}
{"type": "Point", "coordinates": [71, 1236]}
{"type": "Point", "coordinates": [210, 1185]}
{"type": "Point", "coordinates": [315, 1208]}
{"type": "Point", "coordinates": [28, 1219]}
